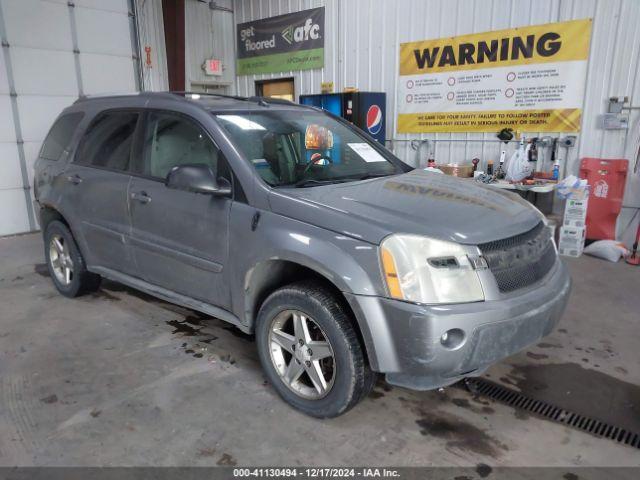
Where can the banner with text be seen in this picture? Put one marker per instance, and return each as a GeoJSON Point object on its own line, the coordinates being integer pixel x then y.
{"type": "Point", "coordinates": [528, 78]}
{"type": "Point", "coordinates": [294, 41]}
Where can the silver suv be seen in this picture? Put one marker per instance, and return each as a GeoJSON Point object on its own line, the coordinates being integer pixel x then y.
{"type": "Point", "coordinates": [292, 224]}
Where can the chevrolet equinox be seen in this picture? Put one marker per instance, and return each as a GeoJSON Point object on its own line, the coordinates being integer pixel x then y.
{"type": "Point", "coordinates": [295, 226]}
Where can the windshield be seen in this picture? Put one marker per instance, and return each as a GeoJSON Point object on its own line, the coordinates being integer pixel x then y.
{"type": "Point", "coordinates": [305, 148]}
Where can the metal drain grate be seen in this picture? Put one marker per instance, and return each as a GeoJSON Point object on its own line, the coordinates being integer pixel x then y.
{"type": "Point", "coordinates": [557, 414]}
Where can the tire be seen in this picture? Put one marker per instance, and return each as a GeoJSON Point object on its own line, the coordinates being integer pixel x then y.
{"type": "Point", "coordinates": [370, 380]}
{"type": "Point", "coordinates": [350, 376]}
{"type": "Point", "coordinates": [62, 252]}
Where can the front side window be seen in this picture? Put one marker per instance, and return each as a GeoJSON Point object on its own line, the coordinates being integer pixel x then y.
{"type": "Point", "coordinates": [305, 148]}
{"type": "Point", "coordinates": [171, 140]}
{"type": "Point", "coordinates": [59, 136]}
{"type": "Point", "coordinates": [107, 142]}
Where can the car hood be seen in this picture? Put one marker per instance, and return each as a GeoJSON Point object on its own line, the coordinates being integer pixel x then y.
{"type": "Point", "coordinates": [417, 202]}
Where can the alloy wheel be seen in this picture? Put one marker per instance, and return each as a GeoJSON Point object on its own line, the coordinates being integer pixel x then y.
{"type": "Point", "coordinates": [302, 354]}
{"type": "Point", "coordinates": [60, 259]}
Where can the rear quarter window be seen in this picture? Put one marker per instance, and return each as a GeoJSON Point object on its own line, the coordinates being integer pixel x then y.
{"type": "Point", "coordinates": [59, 136]}
{"type": "Point", "coordinates": [108, 140]}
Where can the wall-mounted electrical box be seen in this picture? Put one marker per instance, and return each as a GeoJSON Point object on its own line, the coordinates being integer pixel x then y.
{"type": "Point", "coordinates": [616, 104]}
{"type": "Point", "coordinates": [613, 121]}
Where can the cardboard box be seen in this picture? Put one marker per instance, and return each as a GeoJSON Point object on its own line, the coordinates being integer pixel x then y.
{"type": "Point", "coordinates": [574, 223]}
{"type": "Point", "coordinates": [578, 193]}
{"type": "Point", "coordinates": [571, 242]}
{"type": "Point", "coordinates": [575, 213]}
{"type": "Point", "coordinates": [576, 208]}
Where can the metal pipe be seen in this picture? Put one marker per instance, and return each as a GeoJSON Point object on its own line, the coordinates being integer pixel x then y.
{"type": "Point", "coordinates": [135, 34]}
{"type": "Point", "coordinates": [17, 125]}
{"type": "Point", "coordinates": [214, 6]}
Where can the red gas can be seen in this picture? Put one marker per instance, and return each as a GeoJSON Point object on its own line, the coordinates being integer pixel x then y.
{"type": "Point", "coordinates": [606, 178]}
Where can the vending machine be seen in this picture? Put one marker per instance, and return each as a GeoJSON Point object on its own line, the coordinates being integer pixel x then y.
{"type": "Point", "coordinates": [366, 110]}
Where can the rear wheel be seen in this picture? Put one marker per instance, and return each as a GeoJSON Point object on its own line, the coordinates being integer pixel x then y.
{"type": "Point", "coordinates": [66, 266]}
{"type": "Point", "coordinates": [310, 350]}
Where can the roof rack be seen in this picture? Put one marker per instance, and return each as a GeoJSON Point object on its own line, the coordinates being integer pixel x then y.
{"type": "Point", "coordinates": [263, 101]}
{"type": "Point", "coordinates": [268, 100]}
{"type": "Point", "coordinates": [98, 96]}
{"type": "Point", "coordinates": [207, 94]}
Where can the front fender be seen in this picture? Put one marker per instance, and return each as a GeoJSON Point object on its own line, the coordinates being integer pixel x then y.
{"type": "Point", "coordinates": [351, 265]}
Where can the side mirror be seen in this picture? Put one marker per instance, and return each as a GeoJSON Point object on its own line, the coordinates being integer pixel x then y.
{"type": "Point", "coordinates": [197, 178]}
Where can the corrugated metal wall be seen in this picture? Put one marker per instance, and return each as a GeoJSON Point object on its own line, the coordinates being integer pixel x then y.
{"type": "Point", "coordinates": [209, 34]}
{"type": "Point", "coordinates": [361, 50]}
{"type": "Point", "coordinates": [151, 34]}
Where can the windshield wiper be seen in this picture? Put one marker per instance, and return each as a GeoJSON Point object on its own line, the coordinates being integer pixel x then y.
{"type": "Point", "coordinates": [367, 176]}
{"type": "Point", "coordinates": [310, 182]}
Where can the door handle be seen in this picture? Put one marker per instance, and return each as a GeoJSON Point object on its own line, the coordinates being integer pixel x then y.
{"type": "Point", "coordinates": [141, 197]}
{"type": "Point", "coordinates": [75, 179]}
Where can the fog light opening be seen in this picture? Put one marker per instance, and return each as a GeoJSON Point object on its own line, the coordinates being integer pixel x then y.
{"type": "Point", "coordinates": [452, 339]}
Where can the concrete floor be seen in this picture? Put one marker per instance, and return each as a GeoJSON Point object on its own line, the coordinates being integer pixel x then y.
{"type": "Point", "coordinates": [119, 378]}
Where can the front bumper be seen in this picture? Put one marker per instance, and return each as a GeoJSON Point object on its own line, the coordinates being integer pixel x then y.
{"type": "Point", "coordinates": [403, 339]}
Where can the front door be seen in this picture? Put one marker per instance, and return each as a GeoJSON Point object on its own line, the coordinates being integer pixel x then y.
{"type": "Point", "coordinates": [98, 180]}
{"type": "Point", "coordinates": [179, 238]}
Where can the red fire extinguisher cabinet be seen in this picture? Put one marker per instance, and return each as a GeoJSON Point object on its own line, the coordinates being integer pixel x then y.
{"type": "Point", "coordinates": [606, 178]}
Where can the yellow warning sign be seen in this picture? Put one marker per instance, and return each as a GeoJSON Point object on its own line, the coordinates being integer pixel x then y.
{"type": "Point", "coordinates": [529, 78]}
{"type": "Point", "coordinates": [527, 120]}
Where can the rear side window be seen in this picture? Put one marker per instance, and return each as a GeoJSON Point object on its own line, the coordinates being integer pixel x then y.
{"type": "Point", "coordinates": [107, 142]}
{"type": "Point", "coordinates": [60, 135]}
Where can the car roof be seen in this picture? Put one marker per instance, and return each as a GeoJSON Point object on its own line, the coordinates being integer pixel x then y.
{"type": "Point", "coordinates": [207, 101]}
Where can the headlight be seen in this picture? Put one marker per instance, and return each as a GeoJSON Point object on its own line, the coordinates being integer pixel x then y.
{"type": "Point", "coordinates": [425, 270]}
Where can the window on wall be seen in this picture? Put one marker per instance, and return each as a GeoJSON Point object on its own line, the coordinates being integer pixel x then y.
{"type": "Point", "coordinates": [107, 142]}
{"type": "Point", "coordinates": [282, 88]}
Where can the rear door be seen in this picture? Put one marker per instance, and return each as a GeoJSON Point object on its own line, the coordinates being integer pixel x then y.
{"type": "Point", "coordinates": [53, 154]}
{"type": "Point", "coordinates": [179, 238]}
{"type": "Point", "coordinates": [98, 179]}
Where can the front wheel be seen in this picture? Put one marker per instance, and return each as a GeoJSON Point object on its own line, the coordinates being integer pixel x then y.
{"type": "Point", "coordinates": [310, 350]}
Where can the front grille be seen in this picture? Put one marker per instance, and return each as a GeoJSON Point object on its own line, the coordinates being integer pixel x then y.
{"type": "Point", "coordinates": [522, 260]}
{"type": "Point", "coordinates": [493, 342]}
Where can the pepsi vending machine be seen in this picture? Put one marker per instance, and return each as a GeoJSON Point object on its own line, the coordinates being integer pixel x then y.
{"type": "Point", "coordinates": [366, 110]}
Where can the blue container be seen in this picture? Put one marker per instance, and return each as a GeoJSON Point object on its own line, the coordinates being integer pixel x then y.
{"type": "Point", "coordinates": [366, 110]}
